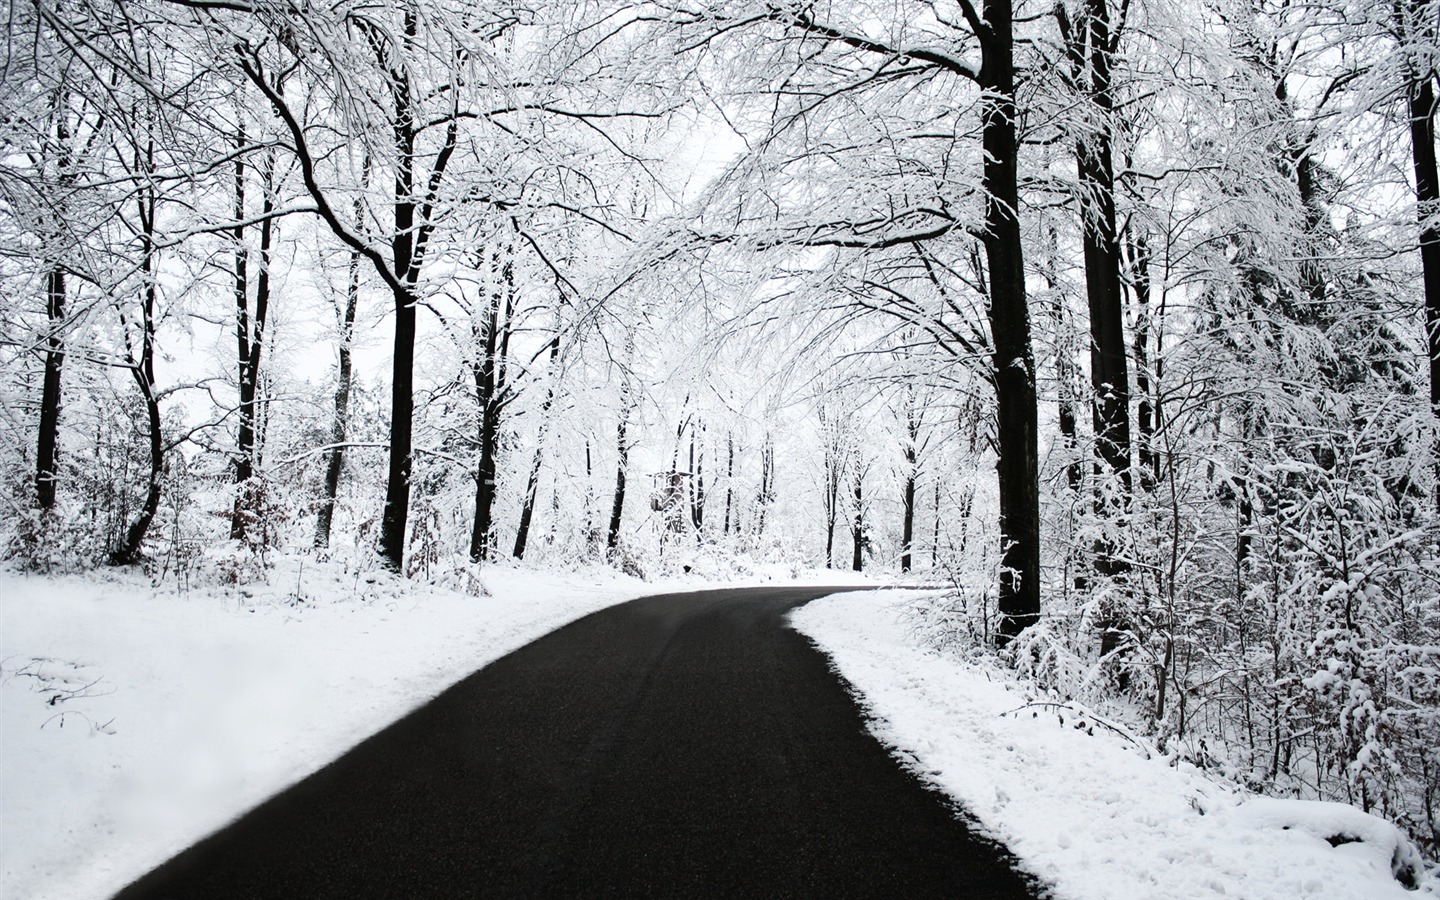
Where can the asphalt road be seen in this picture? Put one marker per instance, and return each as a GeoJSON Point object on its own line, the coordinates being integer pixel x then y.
{"type": "Point", "coordinates": [685, 746]}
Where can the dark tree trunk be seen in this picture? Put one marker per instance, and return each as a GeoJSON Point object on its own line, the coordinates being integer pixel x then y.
{"type": "Point", "coordinates": [907, 538]}
{"type": "Point", "coordinates": [532, 482]}
{"type": "Point", "coordinates": [907, 499]}
{"type": "Point", "coordinates": [1108, 369]}
{"type": "Point", "coordinates": [832, 498]}
{"type": "Point", "coordinates": [1427, 200]}
{"type": "Point", "coordinates": [47, 449]}
{"type": "Point", "coordinates": [489, 370]}
{"type": "Point", "coordinates": [935, 538]}
{"type": "Point", "coordinates": [729, 477]}
{"type": "Point", "coordinates": [1069, 435]}
{"type": "Point", "coordinates": [402, 403]}
{"type": "Point", "coordinates": [857, 529]}
{"type": "Point", "coordinates": [767, 484]}
{"type": "Point", "coordinates": [340, 425]}
{"type": "Point", "coordinates": [245, 435]}
{"type": "Point", "coordinates": [622, 447]}
{"type": "Point", "coordinates": [249, 333]}
{"type": "Point", "coordinates": [143, 371]}
{"type": "Point", "coordinates": [1145, 419]}
{"type": "Point", "coordinates": [406, 250]}
{"type": "Point", "coordinates": [485, 473]}
{"type": "Point", "coordinates": [967, 504]}
{"type": "Point", "coordinates": [1090, 56]}
{"type": "Point", "coordinates": [527, 507]}
{"type": "Point", "coordinates": [1014, 364]}
{"type": "Point", "coordinates": [697, 482]}
{"type": "Point", "coordinates": [1066, 376]}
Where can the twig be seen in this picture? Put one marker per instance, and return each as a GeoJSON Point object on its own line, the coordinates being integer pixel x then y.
{"type": "Point", "coordinates": [1123, 732]}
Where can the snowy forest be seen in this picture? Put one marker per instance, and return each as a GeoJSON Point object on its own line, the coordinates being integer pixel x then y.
{"type": "Point", "coordinates": [1121, 318]}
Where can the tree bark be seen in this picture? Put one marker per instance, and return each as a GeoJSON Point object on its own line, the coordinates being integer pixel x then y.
{"type": "Point", "coordinates": [489, 372]}
{"type": "Point", "coordinates": [697, 481]}
{"type": "Point", "coordinates": [935, 537]}
{"type": "Point", "coordinates": [245, 433]}
{"type": "Point", "coordinates": [47, 449]}
{"type": "Point", "coordinates": [1421, 95]}
{"type": "Point", "coordinates": [1145, 414]}
{"type": "Point", "coordinates": [340, 425]}
{"type": "Point", "coordinates": [622, 447]}
{"type": "Point", "coordinates": [907, 496]}
{"type": "Point", "coordinates": [1014, 363]}
{"type": "Point", "coordinates": [729, 477]}
{"type": "Point", "coordinates": [143, 371]}
{"type": "Point", "coordinates": [857, 528]}
{"type": "Point", "coordinates": [1101, 246]}
{"type": "Point", "coordinates": [532, 483]}
{"type": "Point", "coordinates": [767, 484]}
{"type": "Point", "coordinates": [832, 500]}
{"type": "Point", "coordinates": [406, 250]}
{"type": "Point", "coordinates": [249, 333]}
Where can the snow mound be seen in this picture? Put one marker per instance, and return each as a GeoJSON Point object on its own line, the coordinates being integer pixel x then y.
{"type": "Point", "coordinates": [1347, 829]}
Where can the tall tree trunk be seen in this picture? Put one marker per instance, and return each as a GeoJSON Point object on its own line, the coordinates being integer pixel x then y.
{"type": "Point", "coordinates": [729, 477]}
{"type": "Point", "coordinates": [406, 270]}
{"type": "Point", "coordinates": [1145, 419]}
{"type": "Point", "coordinates": [857, 528]}
{"type": "Point", "coordinates": [532, 482]}
{"type": "Point", "coordinates": [402, 406]}
{"type": "Point", "coordinates": [1421, 95]}
{"type": "Point", "coordinates": [1090, 55]}
{"type": "Point", "coordinates": [340, 424]}
{"type": "Point", "coordinates": [912, 457]}
{"type": "Point", "coordinates": [832, 498]}
{"type": "Point", "coordinates": [622, 447]}
{"type": "Point", "coordinates": [1065, 369]}
{"type": "Point", "coordinates": [250, 334]}
{"type": "Point", "coordinates": [935, 537]}
{"type": "Point", "coordinates": [47, 449]}
{"type": "Point", "coordinates": [1014, 363]}
{"type": "Point", "coordinates": [697, 481]}
{"type": "Point", "coordinates": [767, 483]}
{"type": "Point", "coordinates": [1101, 246]}
{"type": "Point", "coordinates": [245, 434]}
{"type": "Point", "coordinates": [490, 373]}
{"type": "Point", "coordinates": [907, 538]}
{"type": "Point", "coordinates": [142, 369]}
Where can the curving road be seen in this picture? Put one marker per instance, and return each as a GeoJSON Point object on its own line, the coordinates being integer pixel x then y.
{"type": "Point", "coordinates": [687, 745]}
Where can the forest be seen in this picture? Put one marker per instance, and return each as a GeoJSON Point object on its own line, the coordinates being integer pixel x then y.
{"type": "Point", "coordinates": [1121, 318]}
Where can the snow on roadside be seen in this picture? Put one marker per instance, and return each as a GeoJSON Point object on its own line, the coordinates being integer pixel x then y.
{"type": "Point", "coordinates": [134, 721]}
{"type": "Point", "coordinates": [1088, 813]}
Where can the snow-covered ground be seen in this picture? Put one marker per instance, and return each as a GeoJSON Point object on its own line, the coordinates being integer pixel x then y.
{"type": "Point", "coordinates": [134, 720]}
{"type": "Point", "coordinates": [1081, 805]}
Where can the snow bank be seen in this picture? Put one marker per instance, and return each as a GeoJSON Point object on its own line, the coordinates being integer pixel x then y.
{"type": "Point", "coordinates": [1080, 804]}
{"type": "Point", "coordinates": [133, 722]}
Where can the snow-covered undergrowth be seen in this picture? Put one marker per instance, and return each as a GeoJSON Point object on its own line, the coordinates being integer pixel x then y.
{"type": "Point", "coordinates": [1084, 805]}
{"type": "Point", "coordinates": [134, 720]}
